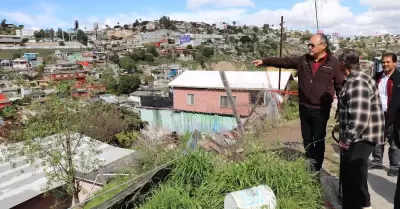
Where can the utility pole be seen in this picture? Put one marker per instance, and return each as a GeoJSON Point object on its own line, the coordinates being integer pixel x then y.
{"type": "Point", "coordinates": [280, 52]}
{"type": "Point", "coordinates": [316, 14]}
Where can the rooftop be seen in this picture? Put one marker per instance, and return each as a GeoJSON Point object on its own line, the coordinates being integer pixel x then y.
{"type": "Point", "coordinates": [249, 80]}
{"type": "Point", "coordinates": [25, 181]}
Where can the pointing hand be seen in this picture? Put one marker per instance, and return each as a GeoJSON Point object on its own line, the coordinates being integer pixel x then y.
{"type": "Point", "coordinates": [257, 63]}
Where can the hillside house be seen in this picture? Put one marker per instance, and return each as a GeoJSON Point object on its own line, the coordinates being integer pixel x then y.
{"type": "Point", "coordinates": [25, 183]}
{"type": "Point", "coordinates": [84, 91]}
{"type": "Point", "coordinates": [20, 64]}
{"type": "Point", "coordinates": [10, 39]}
{"type": "Point", "coordinates": [204, 92]}
{"type": "Point", "coordinates": [79, 76]}
{"type": "Point", "coordinates": [4, 101]}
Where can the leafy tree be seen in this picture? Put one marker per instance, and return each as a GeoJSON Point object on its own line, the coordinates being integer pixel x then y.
{"type": "Point", "coordinates": [343, 44]}
{"type": "Point", "coordinates": [40, 70]}
{"type": "Point", "coordinates": [126, 27]}
{"type": "Point", "coordinates": [59, 33]}
{"type": "Point", "coordinates": [152, 50]}
{"type": "Point", "coordinates": [114, 58]}
{"type": "Point", "coordinates": [207, 52]}
{"type": "Point", "coordinates": [265, 28]}
{"type": "Point", "coordinates": [81, 37]}
{"type": "Point", "coordinates": [128, 84]}
{"type": "Point", "coordinates": [148, 79]}
{"type": "Point", "coordinates": [136, 24]}
{"type": "Point", "coordinates": [255, 29]}
{"type": "Point", "coordinates": [9, 113]}
{"type": "Point", "coordinates": [149, 58]}
{"type": "Point", "coordinates": [127, 138]}
{"type": "Point", "coordinates": [201, 59]}
{"type": "Point", "coordinates": [51, 32]}
{"type": "Point", "coordinates": [245, 39]}
{"type": "Point", "coordinates": [52, 138]}
{"type": "Point", "coordinates": [4, 23]}
{"type": "Point", "coordinates": [108, 80]}
{"type": "Point", "coordinates": [39, 34]}
{"type": "Point", "coordinates": [138, 55]}
{"type": "Point", "coordinates": [64, 89]}
{"type": "Point", "coordinates": [127, 63]}
{"type": "Point", "coordinates": [112, 121]}
{"type": "Point", "coordinates": [189, 47]}
{"type": "Point", "coordinates": [305, 37]}
{"type": "Point", "coordinates": [166, 22]}
{"type": "Point", "coordinates": [24, 40]}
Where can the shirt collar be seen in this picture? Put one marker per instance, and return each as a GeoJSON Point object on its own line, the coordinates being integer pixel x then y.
{"type": "Point", "coordinates": [384, 75]}
{"type": "Point", "coordinates": [322, 59]}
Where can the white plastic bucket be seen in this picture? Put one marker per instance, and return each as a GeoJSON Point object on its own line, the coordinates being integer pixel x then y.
{"type": "Point", "coordinates": [253, 198]}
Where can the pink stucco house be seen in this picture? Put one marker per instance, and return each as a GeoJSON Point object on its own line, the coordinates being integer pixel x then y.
{"type": "Point", "coordinates": [204, 92]}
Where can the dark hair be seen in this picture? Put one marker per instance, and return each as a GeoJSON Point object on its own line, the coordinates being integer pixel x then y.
{"type": "Point", "coordinates": [324, 39]}
{"type": "Point", "coordinates": [351, 59]}
{"type": "Point", "coordinates": [390, 54]}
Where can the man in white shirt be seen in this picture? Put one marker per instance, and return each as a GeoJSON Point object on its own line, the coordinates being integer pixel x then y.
{"type": "Point", "coordinates": [387, 82]}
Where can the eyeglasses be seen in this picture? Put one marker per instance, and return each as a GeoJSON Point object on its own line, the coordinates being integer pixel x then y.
{"type": "Point", "coordinates": [313, 45]}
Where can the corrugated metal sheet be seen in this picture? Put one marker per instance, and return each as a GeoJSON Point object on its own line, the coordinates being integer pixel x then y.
{"type": "Point", "coordinates": [25, 181]}
{"type": "Point", "coordinates": [246, 80]}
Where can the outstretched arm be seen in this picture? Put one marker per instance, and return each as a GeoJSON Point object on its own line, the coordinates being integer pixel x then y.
{"type": "Point", "coordinates": [279, 62]}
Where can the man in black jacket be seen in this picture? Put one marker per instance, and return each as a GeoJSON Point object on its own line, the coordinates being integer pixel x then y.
{"type": "Point", "coordinates": [320, 76]}
{"type": "Point", "coordinates": [388, 82]}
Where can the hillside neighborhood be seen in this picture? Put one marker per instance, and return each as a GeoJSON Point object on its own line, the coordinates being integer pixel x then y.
{"type": "Point", "coordinates": [111, 117]}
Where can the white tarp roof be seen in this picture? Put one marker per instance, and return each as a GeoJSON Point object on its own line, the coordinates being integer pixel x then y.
{"type": "Point", "coordinates": [251, 80]}
{"type": "Point", "coordinates": [26, 181]}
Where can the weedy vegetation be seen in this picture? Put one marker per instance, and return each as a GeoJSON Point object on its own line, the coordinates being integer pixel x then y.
{"type": "Point", "coordinates": [201, 180]}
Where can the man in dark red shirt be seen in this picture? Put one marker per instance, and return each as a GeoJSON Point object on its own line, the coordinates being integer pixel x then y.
{"type": "Point", "coordinates": [320, 76]}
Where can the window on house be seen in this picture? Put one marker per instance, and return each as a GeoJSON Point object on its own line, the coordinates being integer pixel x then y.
{"type": "Point", "coordinates": [58, 76]}
{"type": "Point", "coordinates": [190, 99]}
{"type": "Point", "coordinates": [224, 101]}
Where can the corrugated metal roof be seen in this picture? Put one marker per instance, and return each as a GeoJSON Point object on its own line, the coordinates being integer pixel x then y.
{"type": "Point", "coordinates": [25, 181]}
{"type": "Point", "coordinates": [237, 79]}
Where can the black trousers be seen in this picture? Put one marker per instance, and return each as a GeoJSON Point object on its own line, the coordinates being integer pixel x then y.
{"type": "Point", "coordinates": [397, 194]}
{"type": "Point", "coordinates": [313, 129]}
{"type": "Point", "coordinates": [354, 173]}
{"type": "Point", "coordinates": [394, 150]}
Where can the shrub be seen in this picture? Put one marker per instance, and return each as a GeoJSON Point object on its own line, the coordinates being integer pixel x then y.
{"type": "Point", "coordinates": [290, 110]}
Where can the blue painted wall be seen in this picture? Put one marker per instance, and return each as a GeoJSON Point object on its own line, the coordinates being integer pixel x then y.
{"type": "Point", "coordinates": [183, 122]}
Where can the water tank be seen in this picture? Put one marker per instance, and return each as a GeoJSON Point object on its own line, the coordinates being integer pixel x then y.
{"type": "Point", "coordinates": [253, 198]}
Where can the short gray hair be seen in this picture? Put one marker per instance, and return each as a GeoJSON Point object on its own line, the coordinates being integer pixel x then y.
{"type": "Point", "coordinates": [324, 39]}
{"type": "Point", "coordinates": [351, 59]}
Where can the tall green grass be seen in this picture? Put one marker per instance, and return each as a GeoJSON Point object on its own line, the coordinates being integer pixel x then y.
{"type": "Point", "coordinates": [201, 180]}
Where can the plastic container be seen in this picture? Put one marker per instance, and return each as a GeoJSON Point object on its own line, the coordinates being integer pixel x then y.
{"type": "Point", "coordinates": [259, 197]}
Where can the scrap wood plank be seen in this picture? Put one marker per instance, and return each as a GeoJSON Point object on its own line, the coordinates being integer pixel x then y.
{"type": "Point", "coordinates": [134, 188]}
{"type": "Point", "coordinates": [232, 102]}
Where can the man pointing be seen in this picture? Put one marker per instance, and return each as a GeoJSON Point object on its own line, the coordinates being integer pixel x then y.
{"type": "Point", "coordinates": [319, 77]}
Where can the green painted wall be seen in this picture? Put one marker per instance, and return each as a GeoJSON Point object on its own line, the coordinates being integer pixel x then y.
{"type": "Point", "coordinates": [183, 122]}
{"type": "Point", "coordinates": [75, 56]}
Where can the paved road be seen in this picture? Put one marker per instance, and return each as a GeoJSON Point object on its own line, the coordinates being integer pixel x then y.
{"type": "Point", "coordinates": [381, 186]}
